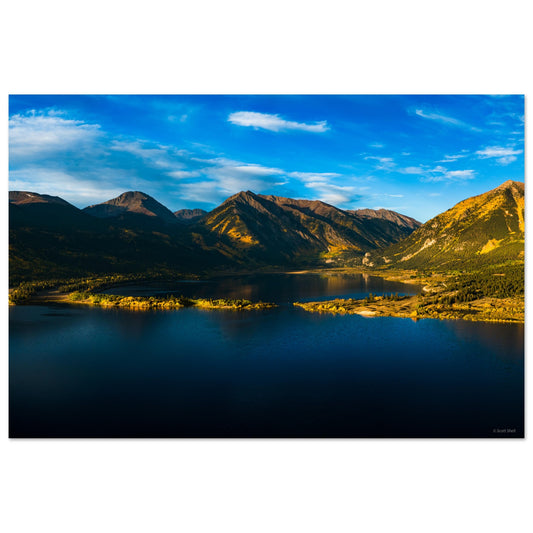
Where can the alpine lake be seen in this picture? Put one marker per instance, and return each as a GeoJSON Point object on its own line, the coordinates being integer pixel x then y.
{"type": "Point", "coordinates": [83, 371]}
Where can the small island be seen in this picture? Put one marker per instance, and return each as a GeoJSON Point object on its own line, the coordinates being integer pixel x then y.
{"type": "Point", "coordinates": [167, 302]}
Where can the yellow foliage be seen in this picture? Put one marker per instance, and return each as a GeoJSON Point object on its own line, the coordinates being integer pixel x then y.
{"type": "Point", "coordinates": [491, 244]}
{"type": "Point", "coordinates": [520, 212]}
{"type": "Point", "coordinates": [244, 238]}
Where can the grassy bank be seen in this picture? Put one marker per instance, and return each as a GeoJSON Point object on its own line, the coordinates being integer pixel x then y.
{"type": "Point", "coordinates": [167, 302]}
{"type": "Point", "coordinates": [415, 307]}
{"type": "Point", "coordinates": [493, 294]}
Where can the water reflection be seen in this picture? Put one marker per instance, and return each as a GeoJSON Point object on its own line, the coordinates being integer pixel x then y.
{"type": "Point", "coordinates": [279, 288]}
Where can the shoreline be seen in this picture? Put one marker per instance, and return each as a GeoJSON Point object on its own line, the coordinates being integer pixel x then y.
{"type": "Point", "coordinates": [145, 304]}
{"type": "Point", "coordinates": [437, 298]}
{"type": "Point", "coordinates": [481, 310]}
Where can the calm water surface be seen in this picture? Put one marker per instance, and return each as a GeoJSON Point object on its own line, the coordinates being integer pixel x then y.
{"type": "Point", "coordinates": [278, 288]}
{"type": "Point", "coordinates": [90, 372]}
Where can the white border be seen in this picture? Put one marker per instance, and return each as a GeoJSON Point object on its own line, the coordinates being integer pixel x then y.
{"type": "Point", "coordinates": [276, 47]}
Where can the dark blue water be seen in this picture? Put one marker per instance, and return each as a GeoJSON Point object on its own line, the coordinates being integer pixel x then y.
{"type": "Point", "coordinates": [90, 372]}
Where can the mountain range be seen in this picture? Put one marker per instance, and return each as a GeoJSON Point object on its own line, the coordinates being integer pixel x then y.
{"type": "Point", "coordinates": [135, 233]}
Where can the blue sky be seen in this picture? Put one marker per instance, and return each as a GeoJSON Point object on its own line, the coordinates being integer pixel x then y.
{"type": "Point", "coordinates": [418, 155]}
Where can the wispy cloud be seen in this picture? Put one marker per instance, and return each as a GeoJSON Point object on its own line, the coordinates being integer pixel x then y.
{"type": "Point", "coordinates": [383, 163]}
{"type": "Point", "coordinates": [178, 118]}
{"type": "Point", "coordinates": [331, 187]}
{"type": "Point", "coordinates": [444, 119]}
{"type": "Point", "coordinates": [156, 155]}
{"type": "Point", "coordinates": [338, 195]}
{"type": "Point", "coordinates": [38, 133]}
{"type": "Point", "coordinates": [503, 156]}
{"type": "Point", "coordinates": [308, 177]}
{"type": "Point", "coordinates": [81, 190]}
{"type": "Point", "coordinates": [452, 158]}
{"type": "Point", "coordinates": [438, 173]}
{"type": "Point", "coordinates": [183, 174]}
{"type": "Point", "coordinates": [274, 123]}
{"type": "Point", "coordinates": [414, 170]}
{"type": "Point", "coordinates": [442, 174]}
{"type": "Point", "coordinates": [227, 177]}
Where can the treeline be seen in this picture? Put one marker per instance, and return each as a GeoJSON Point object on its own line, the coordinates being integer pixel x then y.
{"type": "Point", "coordinates": [27, 289]}
{"type": "Point", "coordinates": [99, 283]}
{"type": "Point", "coordinates": [493, 282]}
{"type": "Point", "coordinates": [391, 297]}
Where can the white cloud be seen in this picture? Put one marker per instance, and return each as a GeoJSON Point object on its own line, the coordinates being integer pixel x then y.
{"type": "Point", "coordinates": [37, 134]}
{"type": "Point", "coordinates": [155, 155]}
{"type": "Point", "coordinates": [384, 163]}
{"type": "Point", "coordinates": [452, 158]}
{"type": "Point", "coordinates": [254, 170]}
{"type": "Point", "coordinates": [385, 195]}
{"type": "Point", "coordinates": [441, 174]}
{"type": "Point", "coordinates": [201, 192]}
{"type": "Point", "coordinates": [274, 122]}
{"type": "Point", "coordinates": [444, 119]}
{"type": "Point", "coordinates": [70, 187]}
{"type": "Point", "coordinates": [228, 177]}
{"type": "Point", "coordinates": [503, 156]}
{"type": "Point", "coordinates": [314, 177]}
{"type": "Point", "coordinates": [459, 174]}
{"type": "Point", "coordinates": [332, 194]}
{"type": "Point", "coordinates": [183, 174]}
{"type": "Point", "coordinates": [321, 183]}
{"type": "Point", "coordinates": [414, 170]}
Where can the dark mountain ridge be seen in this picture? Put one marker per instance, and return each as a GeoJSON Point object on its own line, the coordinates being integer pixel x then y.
{"type": "Point", "coordinates": [54, 239]}
{"type": "Point", "coordinates": [189, 215]}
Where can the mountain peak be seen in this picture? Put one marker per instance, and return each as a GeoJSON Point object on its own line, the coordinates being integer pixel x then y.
{"type": "Point", "coordinates": [510, 184]}
{"type": "Point", "coordinates": [132, 195]}
{"type": "Point", "coordinates": [135, 202]}
{"type": "Point", "coordinates": [243, 195]}
{"type": "Point", "coordinates": [391, 216]}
